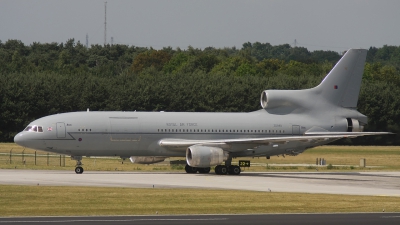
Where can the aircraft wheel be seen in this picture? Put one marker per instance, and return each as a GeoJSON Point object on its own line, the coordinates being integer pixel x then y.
{"type": "Point", "coordinates": [204, 170]}
{"type": "Point", "coordinates": [190, 169]}
{"type": "Point", "coordinates": [78, 170]}
{"type": "Point", "coordinates": [234, 170]}
{"type": "Point", "coordinates": [223, 170]}
{"type": "Point", "coordinates": [218, 169]}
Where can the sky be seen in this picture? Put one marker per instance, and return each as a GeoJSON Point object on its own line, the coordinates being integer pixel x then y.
{"type": "Point", "coordinates": [335, 25]}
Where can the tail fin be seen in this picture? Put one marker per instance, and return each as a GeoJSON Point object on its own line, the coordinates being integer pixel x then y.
{"type": "Point", "coordinates": [342, 85]}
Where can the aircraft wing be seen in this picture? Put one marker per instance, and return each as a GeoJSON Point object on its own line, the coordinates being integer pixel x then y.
{"type": "Point", "coordinates": [228, 144]}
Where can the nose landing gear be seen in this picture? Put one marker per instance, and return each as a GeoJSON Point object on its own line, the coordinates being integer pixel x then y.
{"type": "Point", "coordinates": [78, 166]}
{"type": "Point", "coordinates": [78, 170]}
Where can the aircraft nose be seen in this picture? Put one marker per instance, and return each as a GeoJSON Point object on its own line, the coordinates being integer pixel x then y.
{"type": "Point", "coordinates": [19, 139]}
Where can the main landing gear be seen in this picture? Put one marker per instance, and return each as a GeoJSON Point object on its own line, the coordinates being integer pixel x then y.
{"type": "Point", "coordinates": [78, 166]}
{"type": "Point", "coordinates": [220, 170]}
{"type": "Point", "coordinates": [223, 170]}
{"type": "Point", "coordinates": [190, 169]}
{"type": "Point", "coordinates": [228, 168]}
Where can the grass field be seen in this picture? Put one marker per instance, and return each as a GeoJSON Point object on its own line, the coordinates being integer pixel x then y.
{"type": "Point", "coordinates": [378, 158]}
{"type": "Point", "coordinates": [60, 201]}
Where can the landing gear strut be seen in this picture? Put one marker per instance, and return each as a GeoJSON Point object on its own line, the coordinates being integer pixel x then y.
{"type": "Point", "coordinates": [227, 168]}
{"type": "Point", "coordinates": [78, 166]}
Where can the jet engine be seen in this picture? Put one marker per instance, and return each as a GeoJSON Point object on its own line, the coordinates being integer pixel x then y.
{"type": "Point", "coordinates": [354, 125]}
{"type": "Point", "coordinates": [280, 98]}
{"type": "Point", "coordinates": [146, 160]}
{"type": "Point", "coordinates": [205, 156]}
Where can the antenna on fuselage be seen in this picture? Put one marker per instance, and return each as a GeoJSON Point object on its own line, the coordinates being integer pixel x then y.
{"type": "Point", "coordinates": [87, 109]}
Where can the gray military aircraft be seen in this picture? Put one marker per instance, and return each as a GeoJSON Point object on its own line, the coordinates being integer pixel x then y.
{"type": "Point", "coordinates": [289, 122]}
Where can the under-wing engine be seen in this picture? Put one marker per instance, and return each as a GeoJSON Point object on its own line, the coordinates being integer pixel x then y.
{"type": "Point", "coordinates": [146, 160]}
{"type": "Point", "coordinates": [205, 156]}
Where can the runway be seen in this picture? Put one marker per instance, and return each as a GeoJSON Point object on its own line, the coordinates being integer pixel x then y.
{"type": "Point", "coordinates": [362, 183]}
{"type": "Point", "coordinates": [282, 219]}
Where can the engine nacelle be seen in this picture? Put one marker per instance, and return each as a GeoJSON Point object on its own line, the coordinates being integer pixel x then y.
{"type": "Point", "coordinates": [354, 125]}
{"type": "Point", "coordinates": [280, 98]}
{"type": "Point", "coordinates": [146, 160]}
{"type": "Point", "coordinates": [205, 156]}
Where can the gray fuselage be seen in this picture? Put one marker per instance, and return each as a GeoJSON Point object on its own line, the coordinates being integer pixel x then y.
{"type": "Point", "coordinates": [128, 134]}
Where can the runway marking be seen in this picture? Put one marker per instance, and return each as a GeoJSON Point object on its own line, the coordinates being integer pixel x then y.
{"type": "Point", "coordinates": [128, 220]}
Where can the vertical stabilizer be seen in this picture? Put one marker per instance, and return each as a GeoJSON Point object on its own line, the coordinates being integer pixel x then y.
{"type": "Point", "coordinates": [342, 85]}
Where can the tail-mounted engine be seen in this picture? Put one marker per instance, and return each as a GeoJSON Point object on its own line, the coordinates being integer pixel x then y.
{"type": "Point", "coordinates": [354, 125]}
{"type": "Point", "coordinates": [271, 99]}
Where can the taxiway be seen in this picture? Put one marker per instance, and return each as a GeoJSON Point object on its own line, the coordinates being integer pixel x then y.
{"type": "Point", "coordinates": [351, 183]}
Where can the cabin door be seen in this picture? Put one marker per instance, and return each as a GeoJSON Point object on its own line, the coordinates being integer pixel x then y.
{"type": "Point", "coordinates": [296, 130]}
{"type": "Point", "coordinates": [60, 130]}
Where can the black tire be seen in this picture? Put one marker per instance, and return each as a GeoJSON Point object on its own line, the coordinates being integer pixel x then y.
{"type": "Point", "coordinates": [234, 170]}
{"type": "Point", "coordinates": [218, 169]}
{"type": "Point", "coordinates": [78, 170]}
{"type": "Point", "coordinates": [224, 170]}
{"type": "Point", "coordinates": [204, 170]}
{"type": "Point", "coordinates": [190, 169]}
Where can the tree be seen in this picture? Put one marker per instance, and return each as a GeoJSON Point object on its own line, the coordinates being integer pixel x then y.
{"type": "Point", "coordinates": [153, 58]}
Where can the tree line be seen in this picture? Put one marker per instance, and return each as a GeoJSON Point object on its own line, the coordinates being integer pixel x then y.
{"type": "Point", "coordinates": [47, 78]}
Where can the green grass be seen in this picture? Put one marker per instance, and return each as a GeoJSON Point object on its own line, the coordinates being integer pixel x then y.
{"type": "Point", "coordinates": [342, 158]}
{"type": "Point", "coordinates": [68, 201]}
{"type": "Point", "coordinates": [65, 201]}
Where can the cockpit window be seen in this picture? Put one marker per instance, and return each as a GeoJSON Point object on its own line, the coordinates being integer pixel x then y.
{"type": "Point", "coordinates": [34, 128]}
{"type": "Point", "coordinates": [28, 128]}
